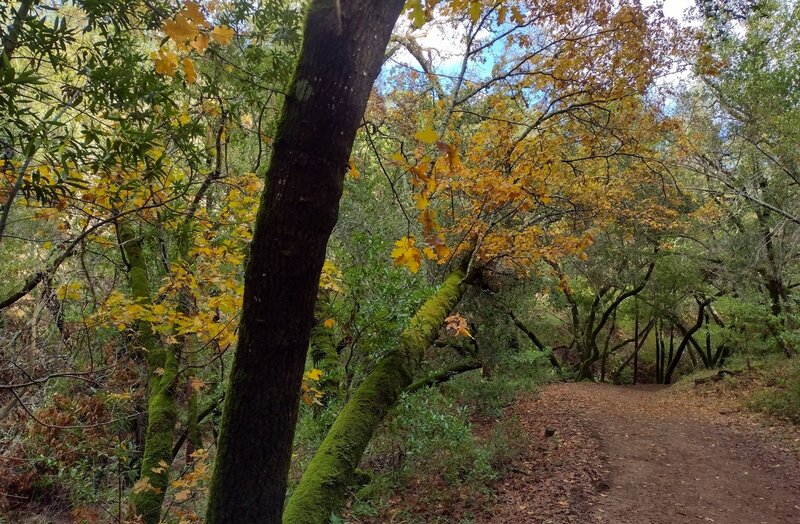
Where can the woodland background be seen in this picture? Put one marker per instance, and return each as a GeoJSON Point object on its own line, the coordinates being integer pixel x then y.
{"type": "Point", "coordinates": [538, 190]}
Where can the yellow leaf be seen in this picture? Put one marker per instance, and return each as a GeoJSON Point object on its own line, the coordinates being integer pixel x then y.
{"type": "Point", "coordinates": [329, 323]}
{"type": "Point", "coordinates": [189, 72]}
{"type": "Point", "coordinates": [416, 13]}
{"type": "Point", "coordinates": [474, 11]}
{"type": "Point", "coordinates": [182, 495]}
{"type": "Point", "coordinates": [71, 291]}
{"type": "Point", "coordinates": [314, 374]}
{"type": "Point", "coordinates": [192, 10]}
{"type": "Point", "coordinates": [222, 34]}
{"type": "Point", "coordinates": [166, 62]}
{"type": "Point", "coordinates": [158, 371]}
{"type": "Point", "coordinates": [44, 173]}
{"type": "Point", "coordinates": [427, 135]}
{"type": "Point", "coordinates": [352, 172]}
{"type": "Point", "coordinates": [422, 201]}
{"type": "Point", "coordinates": [405, 254]}
{"type": "Point", "coordinates": [430, 253]}
{"type": "Point", "coordinates": [196, 384]}
{"type": "Point", "coordinates": [180, 29]}
{"type": "Point", "coordinates": [200, 43]}
{"type": "Point", "coordinates": [143, 484]}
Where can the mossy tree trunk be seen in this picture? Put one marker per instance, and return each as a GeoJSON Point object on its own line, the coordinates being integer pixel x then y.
{"type": "Point", "coordinates": [342, 52]}
{"type": "Point", "coordinates": [324, 484]}
{"type": "Point", "coordinates": [162, 368]}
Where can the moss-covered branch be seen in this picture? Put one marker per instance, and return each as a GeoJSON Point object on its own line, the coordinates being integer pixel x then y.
{"type": "Point", "coordinates": [322, 489]}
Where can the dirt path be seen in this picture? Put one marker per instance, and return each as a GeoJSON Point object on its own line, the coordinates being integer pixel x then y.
{"type": "Point", "coordinates": [641, 455]}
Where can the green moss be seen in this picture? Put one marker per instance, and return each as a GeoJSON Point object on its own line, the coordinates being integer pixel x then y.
{"type": "Point", "coordinates": [162, 415]}
{"type": "Point", "coordinates": [162, 410]}
{"type": "Point", "coordinates": [323, 487]}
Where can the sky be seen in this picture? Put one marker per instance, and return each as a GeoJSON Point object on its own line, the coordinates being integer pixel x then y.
{"type": "Point", "coordinates": [673, 8]}
{"type": "Point", "coordinates": [446, 42]}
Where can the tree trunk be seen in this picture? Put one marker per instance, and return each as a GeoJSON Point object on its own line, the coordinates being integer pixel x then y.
{"type": "Point", "coordinates": [323, 487]}
{"type": "Point", "coordinates": [162, 410]}
{"type": "Point", "coordinates": [673, 364]}
{"type": "Point", "coordinates": [634, 357]}
{"type": "Point", "coordinates": [636, 347]}
{"type": "Point", "coordinates": [342, 52]}
{"type": "Point", "coordinates": [585, 368]}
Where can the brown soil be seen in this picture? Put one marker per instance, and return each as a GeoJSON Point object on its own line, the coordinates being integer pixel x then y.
{"type": "Point", "coordinates": [648, 455]}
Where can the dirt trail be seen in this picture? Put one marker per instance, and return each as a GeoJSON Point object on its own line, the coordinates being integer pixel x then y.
{"type": "Point", "coordinates": [635, 455]}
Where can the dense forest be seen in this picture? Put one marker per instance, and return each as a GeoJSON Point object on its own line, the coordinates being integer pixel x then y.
{"type": "Point", "coordinates": [294, 261]}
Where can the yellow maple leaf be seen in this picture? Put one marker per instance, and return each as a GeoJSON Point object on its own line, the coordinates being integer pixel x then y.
{"type": "Point", "coordinates": [314, 374]}
{"type": "Point", "coordinates": [180, 29]}
{"type": "Point", "coordinates": [427, 135]}
{"type": "Point", "coordinates": [422, 201]}
{"type": "Point", "coordinates": [200, 43]}
{"type": "Point", "coordinates": [182, 495]}
{"type": "Point", "coordinates": [71, 291]}
{"type": "Point", "coordinates": [166, 62]}
{"type": "Point", "coordinates": [192, 10]}
{"type": "Point", "coordinates": [143, 484]}
{"type": "Point", "coordinates": [405, 254]}
{"type": "Point", "coordinates": [189, 72]}
{"type": "Point", "coordinates": [329, 323]}
{"type": "Point", "coordinates": [222, 34]}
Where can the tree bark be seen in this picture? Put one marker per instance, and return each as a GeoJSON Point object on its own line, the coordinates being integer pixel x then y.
{"type": "Point", "coordinates": [342, 52]}
{"type": "Point", "coordinates": [673, 363]}
{"type": "Point", "coordinates": [162, 410]}
{"type": "Point", "coordinates": [639, 343]}
{"type": "Point", "coordinates": [323, 487]}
